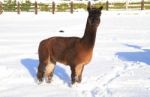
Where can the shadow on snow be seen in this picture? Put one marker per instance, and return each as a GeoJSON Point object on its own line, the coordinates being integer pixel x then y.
{"type": "Point", "coordinates": [141, 56]}
{"type": "Point", "coordinates": [32, 65]}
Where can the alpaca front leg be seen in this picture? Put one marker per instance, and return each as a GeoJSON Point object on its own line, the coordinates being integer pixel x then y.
{"type": "Point", "coordinates": [80, 74]}
{"type": "Point", "coordinates": [76, 73]}
{"type": "Point", "coordinates": [49, 71]}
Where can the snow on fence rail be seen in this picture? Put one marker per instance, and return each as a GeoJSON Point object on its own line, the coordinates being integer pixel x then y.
{"type": "Point", "coordinates": [70, 6]}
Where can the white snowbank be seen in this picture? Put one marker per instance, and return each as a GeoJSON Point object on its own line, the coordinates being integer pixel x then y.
{"type": "Point", "coordinates": [120, 66]}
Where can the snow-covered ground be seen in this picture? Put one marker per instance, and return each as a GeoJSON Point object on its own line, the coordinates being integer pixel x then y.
{"type": "Point", "coordinates": [120, 66]}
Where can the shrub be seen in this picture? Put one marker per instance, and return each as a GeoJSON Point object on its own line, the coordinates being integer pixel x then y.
{"type": "Point", "coordinates": [79, 6]}
{"type": "Point", "coordinates": [62, 7]}
{"type": "Point", "coordinates": [1, 7]}
{"type": "Point", "coordinates": [26, 6]}
{"type": "Point", "coordinates": [10, 5]}
{"type": "Point", "coordinates": [43, 7]}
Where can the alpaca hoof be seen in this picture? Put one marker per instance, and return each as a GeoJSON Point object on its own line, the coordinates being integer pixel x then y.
{"type": "Point", "coordinates": [76, 80]}
{"type": "Point", "coordinates": [48, 81]}
{"type": "Point", "coordinates": [74, 85]}
{"type": "Point", "coordinates": [38, 81]}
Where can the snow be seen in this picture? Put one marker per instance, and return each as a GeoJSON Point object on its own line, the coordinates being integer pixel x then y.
{"type": "Point", "coordinates": [120, 66]}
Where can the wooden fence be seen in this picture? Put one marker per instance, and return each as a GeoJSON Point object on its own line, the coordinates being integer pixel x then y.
{"type": "Point", "coordinates": [70, 6]}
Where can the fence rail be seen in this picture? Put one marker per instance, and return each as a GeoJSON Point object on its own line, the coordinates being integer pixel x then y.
{"type": "Point", "coordinates": [69, 6]}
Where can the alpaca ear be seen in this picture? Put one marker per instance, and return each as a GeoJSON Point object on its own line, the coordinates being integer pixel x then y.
{"type": "Point", "coordinates": [101, 8]}
{"type": "Point", "coordinates": [88, 9]}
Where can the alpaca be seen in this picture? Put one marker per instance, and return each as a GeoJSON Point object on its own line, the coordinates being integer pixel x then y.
{"type": "Point", "coordinates": [73, 51]}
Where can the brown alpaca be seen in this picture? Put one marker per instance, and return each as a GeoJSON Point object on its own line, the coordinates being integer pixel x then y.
{"type": "Point", "coordinates": [73, 51]}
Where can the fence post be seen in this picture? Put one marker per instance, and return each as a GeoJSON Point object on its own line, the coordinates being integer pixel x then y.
{"type": "Point", "coordinates": [18, 7]}
{"type": "Point", "coordinates": [107, 5]}
{"type": "Point", "coordinates": [142, 4]}
{"type": "Point", "coordinates": [36, 8]}
{"type": "Point", "coordinates": [89, 4]}
{"type": "Point", "coordinates": [71, 6]}
{"type": "Point", "coordinates": [127, 3]}
{"type": "Point", "coordinates": [1, 7]}
{"type": "Point", "coordinates": [53, 7]}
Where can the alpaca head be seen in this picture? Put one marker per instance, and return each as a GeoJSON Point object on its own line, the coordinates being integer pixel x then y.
{"type": "Point", "coordinates": [94, 16]}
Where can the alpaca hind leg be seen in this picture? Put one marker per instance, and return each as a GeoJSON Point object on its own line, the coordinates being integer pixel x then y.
{"type": "Point", "coordinates": [49, 71]}
{"type": "Point", "coordinates": [41, 70]}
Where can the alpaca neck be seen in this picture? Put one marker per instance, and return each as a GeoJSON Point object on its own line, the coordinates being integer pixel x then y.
{"type": "Point", "coordinates": [89, 35]}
